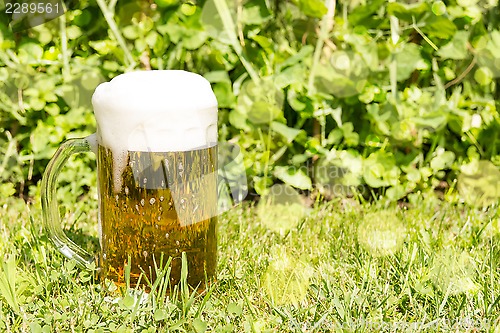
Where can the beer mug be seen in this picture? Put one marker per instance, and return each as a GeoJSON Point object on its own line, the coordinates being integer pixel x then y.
{"type": "Point", "coordinates": [156, 147]}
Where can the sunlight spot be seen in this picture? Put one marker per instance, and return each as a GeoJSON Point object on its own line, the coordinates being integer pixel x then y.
{"type": "Point", "coordinates": [453, 272]}
{"type": "Point", "coordinates": [281, 209]}
{"type": "Point", "coordinates": [478, 183]}
{"type": "Point", "coordinates": [286, 279]}
{"type": "Point", "coordinates": [381, 233]}
{"type": "Point", "coordinates": [491, 229]}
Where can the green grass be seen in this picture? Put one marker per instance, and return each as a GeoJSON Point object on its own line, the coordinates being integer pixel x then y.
{"type": "Point", "coordinates": [346, 267]}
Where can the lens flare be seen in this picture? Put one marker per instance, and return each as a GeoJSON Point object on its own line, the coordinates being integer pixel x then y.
{"type": "Point", "coordinates": [453, 272]}
{"type": "Point", "coordinates": [281, 209]}
{"type": "Point", "coordinates": [381, 233]}
{"type": "Point", "coordinates": [286, 279]}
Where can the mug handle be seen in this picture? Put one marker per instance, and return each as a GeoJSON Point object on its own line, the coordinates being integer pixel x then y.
{"type": "Point", "coordinates": [50, 207]}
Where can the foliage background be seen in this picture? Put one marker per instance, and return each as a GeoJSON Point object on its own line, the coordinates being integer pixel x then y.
{"type": "Point", "coordinates": [337, 97]}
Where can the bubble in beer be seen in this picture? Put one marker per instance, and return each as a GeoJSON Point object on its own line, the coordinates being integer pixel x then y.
{"type": "Point", "coordinates": [152, 201]}
{"type": "Point", "coordinates": [143, 202]}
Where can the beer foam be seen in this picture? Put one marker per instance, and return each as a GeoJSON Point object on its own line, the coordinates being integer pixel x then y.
{"type": "Point", "coordinates": [154, 111]}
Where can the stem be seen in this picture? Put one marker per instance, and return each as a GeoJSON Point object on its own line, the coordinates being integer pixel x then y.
{"type": "Point", "coordinates": [326, 26]}
{"type": "Point", "coordinates": [421, 33]}
{"type": "Point", "coordinates": [230, 29]}
{"type": "Point", "coordinates": [9, 152]}
{"type": "Point", "coordinates": [109, 17]}
{"type": "Point", "coordinates": [239, 13]}
{"type": "Point", "coordinates": [64, 47]}
{"type": "Point", "coordinates": [393, 67]}
{"type": "Point", "coordinates": [112, 5]}
{"type": "Point", "coordinates": [462, 75]}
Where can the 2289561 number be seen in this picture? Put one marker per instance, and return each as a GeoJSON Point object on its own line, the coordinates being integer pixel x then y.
{"type": "Point", "coordinates": [31, 8]}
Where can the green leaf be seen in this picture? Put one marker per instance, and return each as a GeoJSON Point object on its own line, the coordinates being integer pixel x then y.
{"type": "Point", "coordinates": [457, 48]}
{"type": "Point", "coordinates": [73, 32]}
{"type": "Point", "coordinates": [263, 113]}
{"type": "Point", "coordinates": [255, 12]}
{"type": "Point", "coordinates": [30, 52]}
{"type": "Point", "coordinates": [199, 325]}
{"type": "Point", "coordinates": [238, 120]}
{"type": "Point", "coordinates": [261, 184]}
{"type": "Point", "coordinates": [439, 26]}
{"type": "Point", "coordinates": [131, 32]}
{"type": "Point", "coordinates": [408, 12]}
{"type": "Point", "coordinates": [290, 76]}
{"type": "Point", "coordinates": [489, 54]}
{"type": "Point", "coordinates": [7, 190]}
{"type": "Point", "coordinates": [90, 80]}
{"type": "Point", "coordinates": [313, 8]}
{"type": "Point", "coordinates": [128, 301]}
{"type": "Point", "coordinates": [304, 52]}
{"type": "Point", "coordinates": [224, 94]}
{"type": "Point", "coordinates": [264, 42]}
{"type": "Point", "coordinates": [35, 327]}
{"type": "Point", "coordinates": [380, 170]}
{"type": "Point", "coordinates": [166, 3]}
{"type": "Point", "coordinates": [293, 177]}
{"type": "Point", "coordinates": [103, 46]}
{"type": "Point", "coordinates": [337, 173]}
{"type": "Point", "coordinates": [289, 133]}
{"type": "Point", "coordinates": [188, 9]}
{"type": "Point", "coordinates": [434, 120]}
{"type": "Point", "coordinates": [84, 18]}
{"type": "Point", "coordinates": [360, 13]}
{"type": "Point", "coordinates": [351, 138]}
{"type": "Point", "coordinates": [442, 160]}
{"type": "Point", "coordinates": [160, 314]}
{"type": "Point", "coordinates": [494, 42]}
{"type": "Point", "coordinates": [217, 76]}
{"type": "Point", "coordinates": [8, 279]}
{"type": "Point", "coordinates": [194, 39]}
{"type": "Point", "coordinates": [344, 76]}
{"type": "Point", "coordinates": [234, 309]}
{"type": "Point", "coordinates": [483, 76]}
{"type": "Point", "coordinates": [439, 8]}
{"type": "Point", "coordinates": [211, 19]}
{"type": "Point", "coordinates": [408, 60]}
{"type": "Point", "coordinates": [328, 81]}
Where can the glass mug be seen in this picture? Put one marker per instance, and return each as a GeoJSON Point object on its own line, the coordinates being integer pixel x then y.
{"type": "Point", "coordinates": [156, 147]}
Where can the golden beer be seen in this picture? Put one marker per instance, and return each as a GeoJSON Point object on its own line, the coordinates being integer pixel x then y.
{"type": "Point", "coordinates": [165, 207]}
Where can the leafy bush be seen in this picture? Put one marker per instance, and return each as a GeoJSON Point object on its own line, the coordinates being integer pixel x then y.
{"type": "Point", "coordinates": [341, 96]}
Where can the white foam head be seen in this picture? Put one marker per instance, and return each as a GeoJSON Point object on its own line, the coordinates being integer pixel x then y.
{"type": "Point", "coordinates": [155, 111]}
{"type": "Point", "coordinates": [169, 110]}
